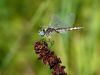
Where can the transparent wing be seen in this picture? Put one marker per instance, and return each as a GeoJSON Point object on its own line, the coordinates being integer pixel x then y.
{"type": "Point", "coordinates": [67, 21]}
{"type": "Point", "coordinates": [57, 22]}
{"type": "Point", "coordinates": [70, 19]}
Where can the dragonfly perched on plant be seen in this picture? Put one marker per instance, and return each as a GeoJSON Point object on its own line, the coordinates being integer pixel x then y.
{"type": "Point", "coordinates": [59, 26]}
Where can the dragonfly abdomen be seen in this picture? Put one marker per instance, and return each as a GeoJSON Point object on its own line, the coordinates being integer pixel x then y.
{"type": "Point", "coordinates": [67, 29]}
{"type": "Point", "coordinates": [73, 28]}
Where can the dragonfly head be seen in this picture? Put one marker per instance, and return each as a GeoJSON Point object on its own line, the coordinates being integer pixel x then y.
{"type": "Point", "coordinates": [42, 32]}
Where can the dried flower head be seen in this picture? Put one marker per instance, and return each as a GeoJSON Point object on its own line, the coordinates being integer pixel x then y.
{"type": "Point", "coordinates": [48, 57]}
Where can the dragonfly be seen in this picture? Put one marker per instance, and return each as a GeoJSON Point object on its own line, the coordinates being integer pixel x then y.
{"type": "Point", "coordinates": [57, 25]}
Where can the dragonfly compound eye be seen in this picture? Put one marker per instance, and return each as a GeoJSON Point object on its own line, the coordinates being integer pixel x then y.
{"type": "Point", "coordinates": [41, 33]}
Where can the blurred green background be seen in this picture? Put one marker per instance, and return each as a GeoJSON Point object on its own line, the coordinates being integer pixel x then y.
{"type": "Point", "coordinates": [20, 21]}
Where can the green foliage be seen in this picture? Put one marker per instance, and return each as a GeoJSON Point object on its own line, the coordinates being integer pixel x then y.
{"type": "Point", "coordinates": [20, 21]}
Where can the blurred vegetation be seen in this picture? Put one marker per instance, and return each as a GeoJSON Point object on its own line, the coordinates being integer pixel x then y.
{"type": "Point", "coordinates": [20, 21]}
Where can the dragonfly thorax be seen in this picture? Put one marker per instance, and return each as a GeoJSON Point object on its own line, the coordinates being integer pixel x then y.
{"type": "Point", "coordinates": [46, 31]}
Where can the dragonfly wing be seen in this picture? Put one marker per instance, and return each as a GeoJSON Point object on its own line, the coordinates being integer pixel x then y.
{"type": "Point", "coordinates": [70, 19]}
{"type": "Point", "coordinates": [57, 22]}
